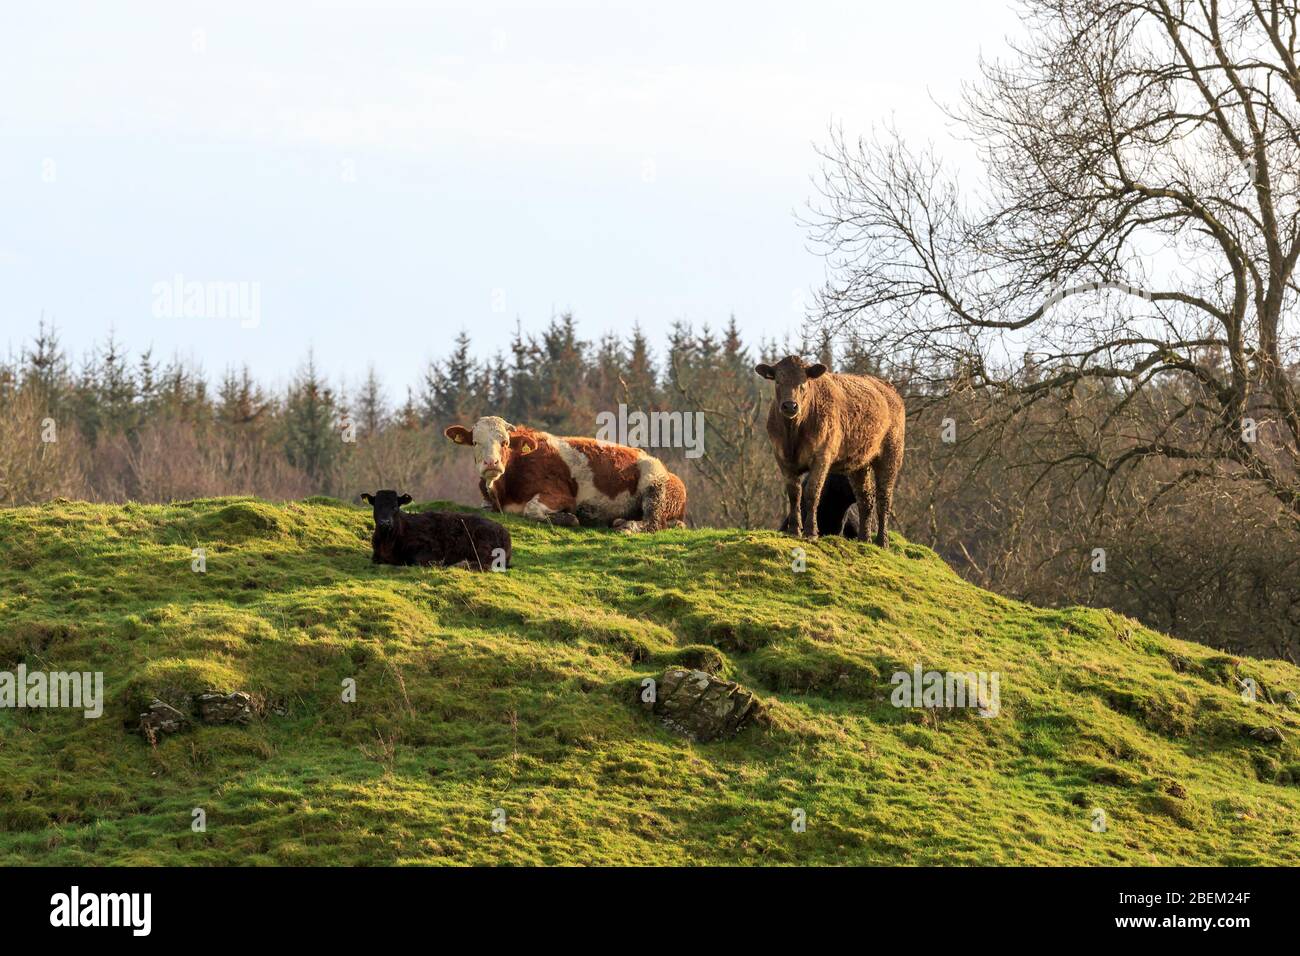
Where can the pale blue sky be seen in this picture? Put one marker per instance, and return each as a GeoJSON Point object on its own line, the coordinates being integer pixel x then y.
{"type": "Point", "coordinates": [390, 173]}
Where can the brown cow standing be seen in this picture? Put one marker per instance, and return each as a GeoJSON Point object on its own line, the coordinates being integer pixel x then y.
{"type": "Point", "coordinates": [821, 423]}
{"type": "Point", "coordinates": [571, 481]}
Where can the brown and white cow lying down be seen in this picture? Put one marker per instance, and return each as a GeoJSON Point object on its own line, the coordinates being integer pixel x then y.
{"type": "Point", "coordinates": [571, 481]}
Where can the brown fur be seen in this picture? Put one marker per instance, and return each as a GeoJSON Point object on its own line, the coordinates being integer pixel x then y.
{"type": "Point", "coordinates": [541, 472]}
{"type": "Point", "coordinates": [664, 505]}
{"type": "Point", "coordinates": [851, 425]}
{"type": "Point", "coordinates": [613, 467]}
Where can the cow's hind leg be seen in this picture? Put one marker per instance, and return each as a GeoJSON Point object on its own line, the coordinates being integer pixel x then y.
{"type": "Point", "coordinates": [663, 505]}
{"type": "Point", "coordinates": [861, 483]}
{"type": "Point", "coordinates": [886, 467]}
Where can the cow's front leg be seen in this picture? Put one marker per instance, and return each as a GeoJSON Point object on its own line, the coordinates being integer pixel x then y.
{"type": "Point", "coordinates": [793, 493]}
{"type": "Point", "coordinates": [816, 480]}
{"type": "Point", "coordinates": [556, 511]}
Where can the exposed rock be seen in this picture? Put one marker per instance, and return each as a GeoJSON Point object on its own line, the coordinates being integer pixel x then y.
{"type": "Point", "coordinates": [217, 708]}
{"type": "Point", "coordinates": [211, 707]}
{"type": "Point", "coordinates": [1290, 698]}
{"type": "Point", "coordinates": [161, 718]}
{"type": "Point", "coordinates": [701, 706]}
{"type": "Point", "coordinates": [1269, 735]}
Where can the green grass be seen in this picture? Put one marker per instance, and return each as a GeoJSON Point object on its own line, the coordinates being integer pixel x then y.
{"type": "Point", "coordinates": [512, 691]}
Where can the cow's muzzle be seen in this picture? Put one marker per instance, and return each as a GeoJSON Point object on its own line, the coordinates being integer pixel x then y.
{"type": "Point", "coordinates": [789, 409]}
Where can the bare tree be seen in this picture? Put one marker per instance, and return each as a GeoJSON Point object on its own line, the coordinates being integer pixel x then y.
{"type": "Point", "coordinates": [1138, 232]}
{"type": "Point", "coordinates": [737, 465]}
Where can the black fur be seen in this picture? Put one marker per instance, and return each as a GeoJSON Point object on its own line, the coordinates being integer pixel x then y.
{"type": "Point", "coordinates": [433, 537]}
{"type": "Point", "coordinates": [837, 512]}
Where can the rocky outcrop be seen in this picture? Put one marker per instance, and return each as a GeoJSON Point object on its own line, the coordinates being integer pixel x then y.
{"type": "Point", "coordinates": [161, 718]}
{"type": "Point", "coordinates": [211, 707]}
{"type": "Point", "coordinates": [700, 706]}
{"type": "Point", "coordinates": [217, 708]}
{"type": "Point", "coordinates": [1268, 735]}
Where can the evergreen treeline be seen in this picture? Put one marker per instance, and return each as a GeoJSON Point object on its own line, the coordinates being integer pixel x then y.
{"type": "Point", "coordinates": [133, 427]}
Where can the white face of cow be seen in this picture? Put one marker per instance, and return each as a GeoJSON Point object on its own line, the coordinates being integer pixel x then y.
{"type": "Point", "coordinates": [493, 445]}
{"type": "Point", "coordinates": [491, 437]}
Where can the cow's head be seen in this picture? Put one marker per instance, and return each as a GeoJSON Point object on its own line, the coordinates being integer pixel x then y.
{"type": "Point", "coordinates": [387, 504]}
{"type": "Point", "coordinates": [495, 442]}
{"type": "Point", "coordinates": [791, 377]}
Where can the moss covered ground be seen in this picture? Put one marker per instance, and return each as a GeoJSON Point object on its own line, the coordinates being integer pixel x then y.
{"type": "Point", "coordinates": [513, 692]}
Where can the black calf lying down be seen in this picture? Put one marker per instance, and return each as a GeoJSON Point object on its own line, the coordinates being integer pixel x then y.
{"type": "Point", "coordinates": [434, 537]}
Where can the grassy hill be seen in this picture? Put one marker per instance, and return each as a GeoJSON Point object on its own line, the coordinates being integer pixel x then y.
{"type": "Point", "coordinates": [515, 691]}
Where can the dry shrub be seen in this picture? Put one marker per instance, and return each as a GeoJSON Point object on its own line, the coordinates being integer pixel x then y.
{"type": "Point", "coordinates": [33, 469]}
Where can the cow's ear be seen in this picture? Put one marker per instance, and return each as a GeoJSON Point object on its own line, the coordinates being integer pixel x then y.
{"type": "Point", "coordinates": [766, 371]}
{"type": "Point", "coordinates": [815, 371]}
{"type": "Point", "coordinates": [366, 498]}
{"type": "Point", "coordinates": [459, 434]}
{"type": "Point", "coordinates": [523, 444]}
{"type": "Point", "coordinates": [404, 500]}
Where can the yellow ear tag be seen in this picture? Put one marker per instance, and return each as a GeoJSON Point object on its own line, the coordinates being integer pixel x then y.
{"type": "Point", "coordinates": [526, 449]}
